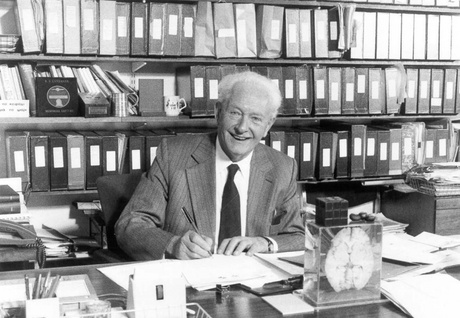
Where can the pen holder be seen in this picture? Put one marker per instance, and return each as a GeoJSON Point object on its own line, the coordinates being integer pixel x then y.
{"type": "Point", "coordinates": [342, 264]}
{"type": "Point", "coordinates": [43, 307]}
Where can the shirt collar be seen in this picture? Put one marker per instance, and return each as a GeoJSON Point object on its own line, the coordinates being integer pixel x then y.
{"type": "Point", "coordinates": [222, 160]}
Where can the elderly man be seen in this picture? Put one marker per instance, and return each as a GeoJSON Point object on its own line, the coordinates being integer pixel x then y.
{"type": "Point", "coordinates": [249, 207]}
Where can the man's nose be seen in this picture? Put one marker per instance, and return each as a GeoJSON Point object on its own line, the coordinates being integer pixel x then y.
{"type": "Point", "coordinates": [243, 123]}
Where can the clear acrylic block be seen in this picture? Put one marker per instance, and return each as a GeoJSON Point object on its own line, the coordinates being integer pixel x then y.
{"type": "Point", "coordinates": [342, 264]}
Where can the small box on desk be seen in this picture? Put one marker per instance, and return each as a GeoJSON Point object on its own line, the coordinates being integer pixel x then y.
{"type": "Point", "coordinates": [331, 211]}
{"type": "Point", "coordinates": [94, 105]}
{"type": "Point", "coordinates": [56, 97]}
{"type": "Point", "coordinates": [342, 264]}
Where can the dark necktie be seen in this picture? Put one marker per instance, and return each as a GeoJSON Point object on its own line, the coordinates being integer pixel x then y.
{"type": "Point", "coordinates": [230, 224]}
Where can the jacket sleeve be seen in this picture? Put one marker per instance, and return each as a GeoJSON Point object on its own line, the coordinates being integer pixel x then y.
{"type": "Point", "coordinates": [139, 229]}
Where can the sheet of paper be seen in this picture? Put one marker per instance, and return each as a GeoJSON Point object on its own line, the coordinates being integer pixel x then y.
{"type": "Point", "coordinates": [401, 247]}
{"type": "Point", "coordinates": [276, 260]}
{"type": "Point", "coordinates": [436, 240]}
{"type": "Point", "coordinates": [288, 304]}
{"type": "Point", "coordinates": [206, 273]}
{"type": "Point", "coordinates": [437, 292]}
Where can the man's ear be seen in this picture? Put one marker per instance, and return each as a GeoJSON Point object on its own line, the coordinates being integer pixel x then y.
{"type": "Point", "coordinates": [269, 126]}
{"type": "Point", "coordinates": [217, 109]}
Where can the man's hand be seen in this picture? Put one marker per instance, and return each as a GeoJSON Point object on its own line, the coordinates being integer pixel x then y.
{"type": "Point", "coordinates": [190, 246]}
{"type": "Point", "coordinates": [238, 244]}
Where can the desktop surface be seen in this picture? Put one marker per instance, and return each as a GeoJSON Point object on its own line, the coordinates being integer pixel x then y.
{"type": "Point", "coordinates": [234, 303]}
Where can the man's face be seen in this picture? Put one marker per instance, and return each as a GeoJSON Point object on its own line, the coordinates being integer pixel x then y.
{"type": "Point", "coordinates": [244, 122]}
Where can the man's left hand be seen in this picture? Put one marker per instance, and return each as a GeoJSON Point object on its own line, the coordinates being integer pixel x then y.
{"type": "Point", "coordinates": [238, 244]}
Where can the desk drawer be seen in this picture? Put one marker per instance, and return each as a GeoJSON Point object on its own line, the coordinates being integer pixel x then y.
{"type": "Point", "coordinates": [448, 203]}
{"type": "Point", "coordinates": [447, 222]}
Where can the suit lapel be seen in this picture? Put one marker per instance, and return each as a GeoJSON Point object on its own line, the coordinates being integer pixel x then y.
{"type": "Point", "coordinates": [260, 188]}
{"type": "Point", "coordinates": [202, 180]}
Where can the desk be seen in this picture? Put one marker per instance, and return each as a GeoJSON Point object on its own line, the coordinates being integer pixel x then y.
{"type": "Point", "coordinates": [238, 303]}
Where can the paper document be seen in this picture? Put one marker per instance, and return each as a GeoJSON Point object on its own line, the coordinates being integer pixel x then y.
{"type": "Point", "coordinates": [201, 274]}
{"type": "Point", "coordinates": [437, 241]}
{"type": "Point", "coordinates": [425, 296]}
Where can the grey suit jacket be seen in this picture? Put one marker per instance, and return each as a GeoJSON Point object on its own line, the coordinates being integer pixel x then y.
{"type": "Point", "coordinates": [183, 175]}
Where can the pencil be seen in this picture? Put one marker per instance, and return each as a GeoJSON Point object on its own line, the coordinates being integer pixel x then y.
{"type": "Point", "coordinates": [54, 286]}
{"type": "Point", "coordinates": [190, 220]}
{"type": "Point", "coordinates": [37, 285]}
{"type": "Point", "coordinates": [45, 287]}
{"type": "Point", "coordinates": [26, 281]}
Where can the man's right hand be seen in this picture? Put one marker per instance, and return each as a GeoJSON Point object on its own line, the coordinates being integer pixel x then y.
{"type": "Point", "coordinates": [190, 246]}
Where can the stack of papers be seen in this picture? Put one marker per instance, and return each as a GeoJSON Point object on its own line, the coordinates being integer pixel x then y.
{"type": "Point", "coordinates": [203, 273]}
{"type": "Point", "coordinates": [389, 225]}
{"type": "Point", "coordinates": [437, 292]}
{"type": "Point", "coordinates": [435, 252]}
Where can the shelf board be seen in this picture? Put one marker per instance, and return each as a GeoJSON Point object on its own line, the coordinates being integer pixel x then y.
{"type": "Point", "coordinates": [368, 181]}
{"type": "Point", "coordinates": [211, 120]}
{"type": "Point", "coordinates": [77, 60]}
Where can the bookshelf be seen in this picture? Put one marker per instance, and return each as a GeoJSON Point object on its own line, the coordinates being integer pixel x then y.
{"type": "Point", "coordinates": [135, 67]}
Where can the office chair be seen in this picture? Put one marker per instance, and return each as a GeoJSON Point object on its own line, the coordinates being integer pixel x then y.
{"type": "Point", "coordinates": [114, 193]}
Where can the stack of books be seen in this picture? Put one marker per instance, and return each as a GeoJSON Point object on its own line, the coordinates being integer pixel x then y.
{"type": "Point", "coordinates": [10, 201]}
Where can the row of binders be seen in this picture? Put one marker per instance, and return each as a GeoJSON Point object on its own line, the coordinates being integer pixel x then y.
{"type": "Point", "coordinates": [326, 91]}
{"type": "Point", "coordinates": [73, 160]}
{"type": "Point", "coordinates": [363, 151]}
{"type": "Point", "coordinates": [232, 30]}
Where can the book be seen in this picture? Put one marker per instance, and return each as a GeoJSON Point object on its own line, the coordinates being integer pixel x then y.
{"type": "Point", "coordinates": [450, 85]}
{"type": "Point", "coordinates": [424, 90]}
{"type": "Point", "coordinates": [407, 36]}
{"type": "Point", "coordinates": [108, 27]}
{"type": "Point", "coordinates": [357, 150]}
{"type": "Point", "coordinates": [304, 91]}
{"type": "Point", "coordinates": [292, 27]}
{"type": "Point", "coordinates": [139, 28]}
{"type": "Point", "coordinates": [93, 151]}
{"type": "Point", "coordinates": [17, 156]}
{"type": "Point", "coordinates": [58, 161]}
{"type": "Point", "coordinates": [39, 161]}
{"type": "Point", "coordinates": [224, 30]}
{"type": "Point", "coordinates": [394, 39]}
{"type": "Point", "coordinates": [89, 27]}
{"type": "Point", "coordinates": [72, 34]}
{"type": "Point", "coordinates": [187, 31]}
{"type": "Point", "coordinates": [157, 27]}
{"type": "Point", "coordinates": [320, 89]}
{"type": "Point", "coordinates": [334, 77]}
{"type": "Point", "coordinates": [321, 37]}
{"type": "Point", "coordinates": [410, 102]}
{"type": "Point", "coordinates": [305, 37]}
{"type": "Point", "coordinates": [392, 80]}
{"type": "Point", "coordinates": [123, 27]}
{"type": "Point", "coordinates": [361, 102]}
{"type": "Point", "coordinates": [383, 35]}
{"type": "Point", "coordinates": [432, 37]}
{"type": "Point", "coordinates": [370, 157]}
{"type": "Point", "coordinates": [369, 35]}
{"type": "Point", "coordinates": [245, 24]}
{"type": "Point", "coordinates": [10, 207]}
{"type": "Point", "coordinates": [173, 29]}
{"type": "Point", "coordinates": [76, 157]}
{"type": "Point", "coordinates": [437, 91]}
{"type": "Point", "coordinates": [28, 82]}
{"type": "Point", "coordinates": [7, 194]}
{"type": "Point", "coordinates": [290, 91]}
{"type": "Point", "coordinates": [343, 161]}
{"type": "Point", "coordinates": [308, 154]}
{"type": "Point", "coordinates": [327, 154]}
{"type": "Point", "coordinates": [445, 37]}
{"type": "Point", "coordinates": [376, 91]}
{"type": "Point", "coordinates": [109, 152]}
{"type": "Point", "coordinates": [334, 27]}
{"type": "Point", "coordinates": [213, 78]}
{"type": "Point", "coordinates": [26, 13]}
{"type": "Point", "coordinates": [356, 50]}
{"type": "Point", "coordinates": [54, 31]}
{"type": "Point", "coordinates": [269, 27]}
{"type": "Point", "coordinates": [348, 90]}
{"type": "Point", "coordinates": [204, 29]}
{"type": "Point", "coordinates": [420, 36]}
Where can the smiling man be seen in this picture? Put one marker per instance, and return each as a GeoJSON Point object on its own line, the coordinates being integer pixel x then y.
{"type": "Point", "coordinates": [240, 195]}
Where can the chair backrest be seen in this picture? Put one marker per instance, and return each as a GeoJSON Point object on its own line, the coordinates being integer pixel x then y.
{"type": "Point", "coordinates": [114, 193]}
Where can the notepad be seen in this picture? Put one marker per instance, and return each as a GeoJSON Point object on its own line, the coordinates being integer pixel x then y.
{"type": "Point", "coordinates": [288, 304]}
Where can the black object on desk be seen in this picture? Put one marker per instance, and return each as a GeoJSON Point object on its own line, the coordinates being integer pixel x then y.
{"type": "Point", "coordinates": [276, 287]}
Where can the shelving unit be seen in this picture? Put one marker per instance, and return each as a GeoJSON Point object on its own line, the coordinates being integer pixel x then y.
{"type": "Point", "coordinates": [138, 65]}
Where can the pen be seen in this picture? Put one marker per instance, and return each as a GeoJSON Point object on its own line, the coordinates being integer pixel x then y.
{"type": "Point", "coordinates": [53, 287]}
{"type": "Point", "coordinates": [26, 280]}
{"type": "Point", "coordinates": [190, 220]}
{"type": "Point", "coordinates": [290, 282]}
{"type": "Point", "coordinates": [37, 286]}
